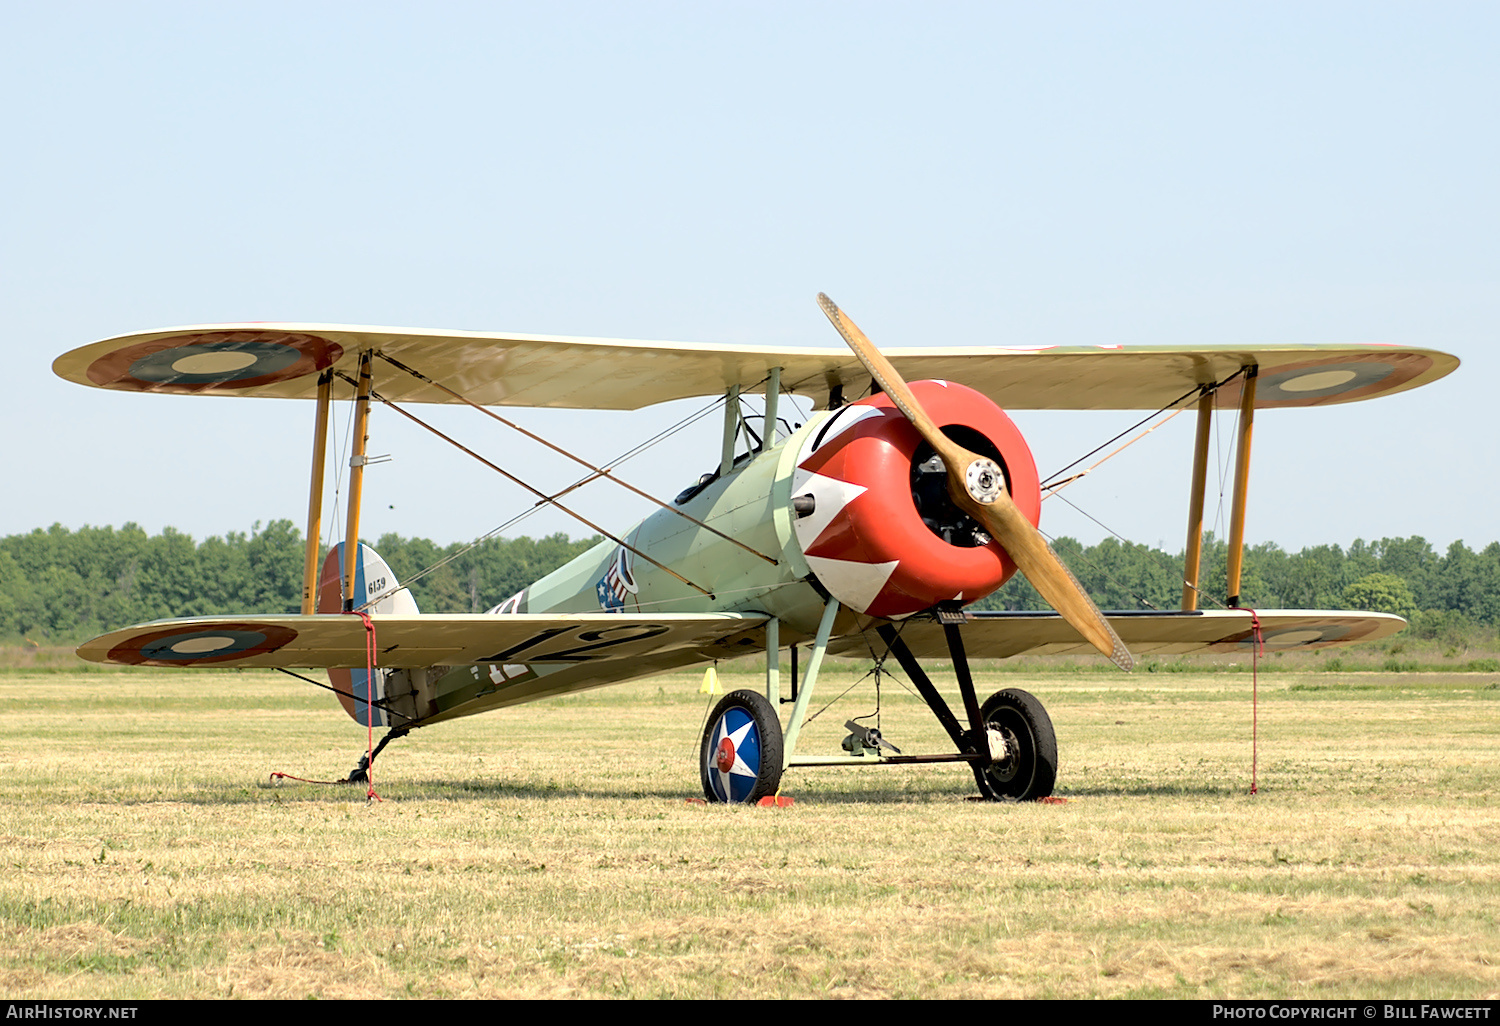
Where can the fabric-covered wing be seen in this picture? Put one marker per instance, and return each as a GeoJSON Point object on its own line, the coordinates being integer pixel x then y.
{"type": "Point", "coordinates": [285, 360]}
{"type": "Point", "coordinates": [336, 640]}
{"type": "Point", "coordinates": [441, 667]}
{"type": "Point", "coordinates": [1000, 635]}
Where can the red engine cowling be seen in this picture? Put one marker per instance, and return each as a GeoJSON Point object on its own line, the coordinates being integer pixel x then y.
{"type": "Point", "coordinates": [883, 537]}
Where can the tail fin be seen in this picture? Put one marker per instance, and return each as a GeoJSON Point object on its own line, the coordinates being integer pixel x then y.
{"type": "Point", "coordinates": [376, 590]}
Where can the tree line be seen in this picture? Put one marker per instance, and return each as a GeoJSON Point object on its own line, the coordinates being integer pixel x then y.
{"type": "Point", "coordinates": [59, 585]}
{"type": "Point", "coordinates": [1441, 594]}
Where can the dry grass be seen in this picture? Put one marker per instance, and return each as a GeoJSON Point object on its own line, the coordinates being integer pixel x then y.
{"type": "Point", "coordinates": [550, 850]}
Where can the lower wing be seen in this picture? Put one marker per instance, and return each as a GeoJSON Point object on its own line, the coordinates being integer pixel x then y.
{"type": "Point", "coordinates": [999, 635]}
{"type": "Point", "coordinates": [437, 667]}
{"type": "Point", "coordinates": [324, 640]}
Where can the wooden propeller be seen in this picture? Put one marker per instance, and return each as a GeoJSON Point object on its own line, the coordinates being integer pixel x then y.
{"type": "Point", "coordinates": [977, 486]}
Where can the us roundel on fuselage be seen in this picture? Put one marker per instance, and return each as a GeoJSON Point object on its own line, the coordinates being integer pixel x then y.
{"type": "Point", "coordinates": [866, 540]}
{"type": "Point", "coordinates": [214, 361]}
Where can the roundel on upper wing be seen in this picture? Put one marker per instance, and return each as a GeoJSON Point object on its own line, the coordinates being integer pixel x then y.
{"type": "Point", "coordinates": [201, 646]}
{"type": "Point", "coordinates": [1338, 379]}
{"type": "Point", "coordinates": [215, 361]}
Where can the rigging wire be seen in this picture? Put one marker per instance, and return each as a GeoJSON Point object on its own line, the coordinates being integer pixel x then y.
{"type": "Point", "coordinates": [628, 454]}
{"type": "Point", "coordinates": [1161, 558]}
{"type": "Point", "coordinates": [656, 439]}
{"type": "Point", "coordinates": [383, 704]}
{"type": "Point", "coordinates": [598, 472]}
{"type": "Point", "coordinates": [877, 669]}
{"type": "Point", "coordinates": [1221, 464]}
{"type": "Point", "coordinates": [1192, 393]}
{"type": "Point", "coordinates": [543, 497]}
{"type": "Point", "coordinates": [1052, 490]}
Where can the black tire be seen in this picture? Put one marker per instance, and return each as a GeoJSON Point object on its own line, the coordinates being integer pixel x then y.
{"type": "Point", "coordinates": [1029, 771]}
{"type": "Point", "coordinates": [740, 757]}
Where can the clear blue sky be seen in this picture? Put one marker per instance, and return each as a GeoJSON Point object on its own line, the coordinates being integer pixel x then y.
{"type": "Point", "coordinates": [1001, 173]}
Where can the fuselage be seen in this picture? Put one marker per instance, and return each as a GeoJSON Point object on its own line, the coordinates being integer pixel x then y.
{"type": "Point", "coordinates": [852, 505]}
{"type": "Point", "coordinates": [752, 504]}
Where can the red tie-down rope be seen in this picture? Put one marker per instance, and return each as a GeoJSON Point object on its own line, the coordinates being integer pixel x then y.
{"type": "Point", "coordinates": [1256, 649]}
{"type": "Point", "coordinates": [370, 650]}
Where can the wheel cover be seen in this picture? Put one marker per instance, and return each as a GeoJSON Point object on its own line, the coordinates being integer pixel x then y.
{"type": "Point", "coordinates": [735, 755]}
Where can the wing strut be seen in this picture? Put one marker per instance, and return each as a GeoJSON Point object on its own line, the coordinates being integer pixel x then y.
{"type": "Point", "coordinates": [1193, 559]}
{"type": "Point", "coordinates": [315, 494]}
{"type": "Point", "coordinates": [1241, 486]}
{"type": "Point", "coordinates": [357, 475]}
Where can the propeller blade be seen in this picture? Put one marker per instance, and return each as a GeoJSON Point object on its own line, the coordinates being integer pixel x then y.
{"type": "Point", "coordinates": [977, 486]}
{"type": "Point", "coordinates": [1048, 574]}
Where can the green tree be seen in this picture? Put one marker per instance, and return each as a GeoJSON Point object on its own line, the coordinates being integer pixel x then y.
{"type": "Point", "coordinates": [274, 561]}
{"type": "Point", "coordinates": [1381, 593]}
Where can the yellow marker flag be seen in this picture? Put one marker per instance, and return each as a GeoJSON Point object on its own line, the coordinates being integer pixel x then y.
{"type": "Point", "coordinates": [710, 683]}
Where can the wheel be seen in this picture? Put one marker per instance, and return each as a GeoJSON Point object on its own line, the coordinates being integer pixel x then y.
{"type": "Point", "coordinates": [1029, 769]}
{"type": "Point", "coordinates": [740, 758]}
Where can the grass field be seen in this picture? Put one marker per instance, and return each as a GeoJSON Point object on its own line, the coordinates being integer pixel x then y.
{"type": "Point", "coordinates": [551, 850]}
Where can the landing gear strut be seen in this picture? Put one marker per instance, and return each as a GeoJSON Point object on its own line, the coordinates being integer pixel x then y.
{"type": "Point", "coordinates": [1009, 742]}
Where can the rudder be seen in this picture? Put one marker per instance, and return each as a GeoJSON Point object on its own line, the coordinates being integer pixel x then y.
{"type": "Point", "coordinates": [376, 590]}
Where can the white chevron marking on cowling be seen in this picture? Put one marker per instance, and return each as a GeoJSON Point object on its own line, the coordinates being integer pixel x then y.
{"type": "Point", "coordinates": [839, 423]}
{"type": "Point", "coordinates": [854, 584]}
{"type": "Point", "coordinates": [830, 496]}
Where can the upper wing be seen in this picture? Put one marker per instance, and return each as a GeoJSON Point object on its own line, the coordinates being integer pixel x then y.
{"type": "Point", "coordinates": [285, 360]}
{"type": "Point", "coordinates": [335, 640]}
{"type": "Point", "coordinates": [1000, 635]}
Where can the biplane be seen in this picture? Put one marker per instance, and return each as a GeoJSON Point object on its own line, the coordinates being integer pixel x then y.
{"type": "Point", "coordinates": [867, 529]}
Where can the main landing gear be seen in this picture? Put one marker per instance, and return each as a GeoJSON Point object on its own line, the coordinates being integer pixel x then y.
{"type": "Point", "coordinates": [1023, 748]}
{"type": "Point", "coordinates": [1009, 742]}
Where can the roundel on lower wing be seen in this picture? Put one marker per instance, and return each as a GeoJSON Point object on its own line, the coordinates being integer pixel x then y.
{"type": "Point", "coordinates": [865, 540]}
{"type": "Point", "coordinates": [199, 646]}
{"type": "Point", "coordinates": [1333, 380]}
{"type": "Point", "coordinates": [1298, 635]}
{"type": "Point", "coordinates": [215, 361]}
